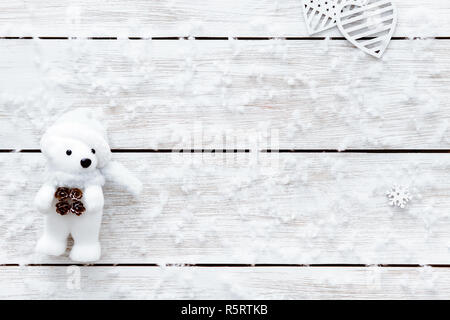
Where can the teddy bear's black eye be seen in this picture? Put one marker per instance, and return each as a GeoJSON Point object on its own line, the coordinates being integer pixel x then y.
{"type": "Point", "coordinates": [93, 151]}
{"type": "Point", "coordinates": [69, 152]}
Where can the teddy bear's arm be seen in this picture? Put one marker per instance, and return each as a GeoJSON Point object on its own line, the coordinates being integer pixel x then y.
{"type": "Point", "coordinates": [117, 173]}
{"type": "Point", "coordinates": [44, 197]}
{"type": "Point", "coordinates": [93, 198]}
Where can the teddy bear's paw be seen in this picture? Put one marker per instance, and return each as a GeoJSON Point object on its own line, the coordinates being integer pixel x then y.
{"type": "Point", "coordinates": [86, 253]}
{"type": "Point", "coordinates": [49, 246]}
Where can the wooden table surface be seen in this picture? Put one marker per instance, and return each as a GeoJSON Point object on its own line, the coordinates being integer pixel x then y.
{"type": "Point", "coordinates": [312, 221]}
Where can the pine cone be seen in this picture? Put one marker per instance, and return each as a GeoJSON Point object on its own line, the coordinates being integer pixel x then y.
{"type": "Point", "coordinates": [75, 194]}
{"type": "Point", "coordinates": [62, 193]}
{"type": "Point", "coordinates": [62, 207]}
{"type": "Point", "coordinates": [77, 208]}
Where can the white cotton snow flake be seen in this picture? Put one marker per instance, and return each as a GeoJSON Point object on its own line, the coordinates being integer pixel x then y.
{"type": "Point", "coordinates": [399, 196]}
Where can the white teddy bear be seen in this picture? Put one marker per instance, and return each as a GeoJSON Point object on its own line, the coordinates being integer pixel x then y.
{"type": "Point", "coordinates": [78, 164]}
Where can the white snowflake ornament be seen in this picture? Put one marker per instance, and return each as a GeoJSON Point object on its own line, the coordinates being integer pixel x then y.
{"type": "Point", "coordinates": [399, 196]}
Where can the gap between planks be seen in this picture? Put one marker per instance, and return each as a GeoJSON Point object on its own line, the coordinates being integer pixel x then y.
{"type": "Point", "coordinates": [213, 38]}
{"type": "Point", "coordinates": [437, 151]}
{"type": "Point", "coordinates": [225, 265]}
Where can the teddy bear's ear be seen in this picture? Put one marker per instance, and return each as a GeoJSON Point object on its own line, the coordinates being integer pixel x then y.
{"type": "Point", "coordinates": [47, 143]}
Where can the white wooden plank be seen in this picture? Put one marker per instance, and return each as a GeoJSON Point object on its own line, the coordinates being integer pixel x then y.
{"type": "Point", "coordinates": [312, 208]}
{"type": "Point", "coordinates": [223, 283]}
{"type": "Point", "coordinates": [165, 94]}
{"type": "Point", "coordinates": [245, 18]}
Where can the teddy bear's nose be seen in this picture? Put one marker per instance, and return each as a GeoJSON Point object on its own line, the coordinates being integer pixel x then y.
{"type": "Point", "coordinates": [85, 163]}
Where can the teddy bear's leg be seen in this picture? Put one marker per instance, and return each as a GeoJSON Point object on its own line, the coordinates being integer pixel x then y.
{"type": "Point", "coordinates": [54, 240]}
{"type": "Point", "coordinates": [85, 232]}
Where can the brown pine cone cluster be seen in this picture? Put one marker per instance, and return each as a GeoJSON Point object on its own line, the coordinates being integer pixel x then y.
{"type": "Point", "coordinates": [69, 201]}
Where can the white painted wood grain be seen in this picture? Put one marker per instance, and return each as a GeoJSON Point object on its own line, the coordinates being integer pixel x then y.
{"type": "Point", "coordinates": [313, 208]}
{"type": "Point", "coordinates": [223, 283]}
{"type": "Point", "coordinates": [166, 94]}
{"type": "Point", "coordinates": [245, 18]}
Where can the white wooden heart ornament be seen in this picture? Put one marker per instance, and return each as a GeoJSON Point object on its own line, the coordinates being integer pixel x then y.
{"type": "Point", "coordinates": [368, 26]}
{"type": "Point", "coordinates": [321, 15]}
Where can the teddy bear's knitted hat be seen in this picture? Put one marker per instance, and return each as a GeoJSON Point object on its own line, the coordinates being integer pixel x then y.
{"type": "Point", "coordinates": [80, 124]}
